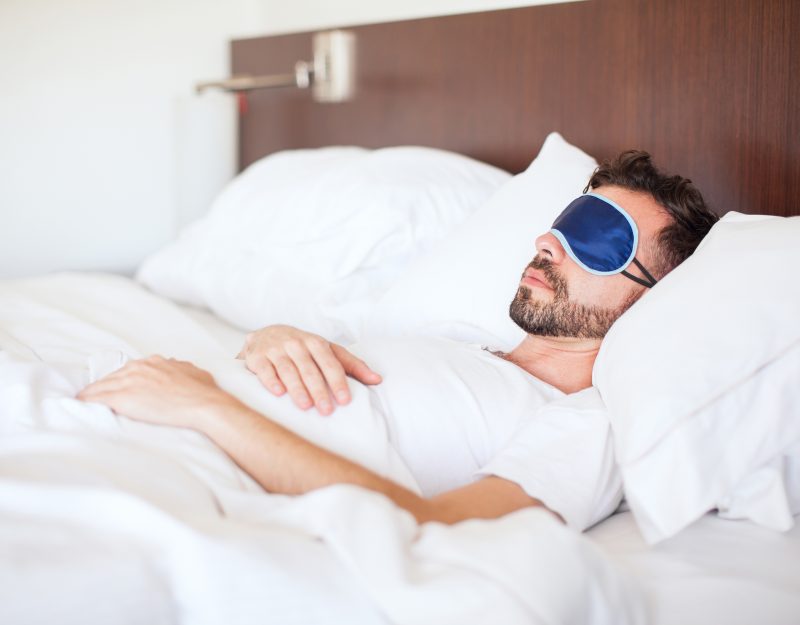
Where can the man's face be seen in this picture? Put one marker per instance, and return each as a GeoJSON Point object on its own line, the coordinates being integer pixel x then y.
{"type": "Point", "coordinates": [556, 297]}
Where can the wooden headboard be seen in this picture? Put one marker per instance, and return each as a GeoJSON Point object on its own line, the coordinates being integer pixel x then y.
{"type": "Point", "coordinates": [710, 87]}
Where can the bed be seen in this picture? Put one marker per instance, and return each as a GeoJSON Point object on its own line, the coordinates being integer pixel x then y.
{"type": "Point", "coordinates": [103, 519]}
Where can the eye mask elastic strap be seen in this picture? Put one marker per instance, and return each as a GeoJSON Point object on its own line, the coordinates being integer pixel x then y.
{"type": "Point", "coordinates": [647, 274]}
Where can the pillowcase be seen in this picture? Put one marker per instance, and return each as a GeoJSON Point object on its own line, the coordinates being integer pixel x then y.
{"type": "Point", "coordinates": [702, 381]}
{"type": "Point", "coordinates": [462, 289]}
{"type": "Point", "coordinates": [314, 237]}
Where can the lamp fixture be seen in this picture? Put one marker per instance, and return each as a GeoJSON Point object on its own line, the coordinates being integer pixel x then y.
{"type": "Point", "coordinates": [331, 74]}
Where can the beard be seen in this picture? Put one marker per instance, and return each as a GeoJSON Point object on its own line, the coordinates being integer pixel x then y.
{"type": "Point", "coordinates": [562, 317]}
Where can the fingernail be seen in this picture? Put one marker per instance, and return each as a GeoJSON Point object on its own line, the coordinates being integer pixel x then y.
{"type": "Point", "coordinates": [324, 406]}
{"type": "Point", "coordinates": [342, 396]}
{"type": "Point", "coordinates": [277, 388]}
{"type": "Point", "coordinates": [305, 403]}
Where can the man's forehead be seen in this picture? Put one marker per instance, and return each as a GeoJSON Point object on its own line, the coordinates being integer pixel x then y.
{"type": "Point", "coordinates": [631, 201]}
{"type": "Point", "coordinates": [648, 214]}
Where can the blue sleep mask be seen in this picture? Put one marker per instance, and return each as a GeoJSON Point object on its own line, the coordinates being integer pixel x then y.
{"type": "Point", "coordinates": [600, 236]}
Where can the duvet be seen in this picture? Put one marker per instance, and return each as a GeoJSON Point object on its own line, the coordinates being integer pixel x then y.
{"type": "Point", "coordinates": [107, 520]}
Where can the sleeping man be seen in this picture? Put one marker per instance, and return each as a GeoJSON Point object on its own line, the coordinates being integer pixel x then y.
{"type": "Point", "coordinates": [483, 433]}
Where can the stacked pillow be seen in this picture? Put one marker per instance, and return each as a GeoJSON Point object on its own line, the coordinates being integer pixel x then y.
{"type": "Point", "coordinates": [701, 377]}
{"type": "Point", "coordinates": [702, 382]}
{"type": "Point", "coordinates": [462, 289]}
{"type": "Point", "coordinates": [314, 237]}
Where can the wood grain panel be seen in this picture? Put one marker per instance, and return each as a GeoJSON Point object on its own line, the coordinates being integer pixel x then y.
{"type": "Point", "coordinates": [709, 87]}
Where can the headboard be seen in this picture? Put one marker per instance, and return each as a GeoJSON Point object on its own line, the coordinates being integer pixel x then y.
{"type": "Point", "coordinates": [710, 87]}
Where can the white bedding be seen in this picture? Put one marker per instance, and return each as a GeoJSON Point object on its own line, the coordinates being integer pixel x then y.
{"type": "Point", "coordinates": [715, 571]}
{"type": "Point", "coordinates": [103, 519]}
{"type": "Point", "coordinates": [229, 338]}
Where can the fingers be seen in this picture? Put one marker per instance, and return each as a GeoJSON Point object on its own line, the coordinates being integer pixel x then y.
{"type": "Point", "coordinates": [290, 377]}
{"type": "Point", "coordinates": [111, 382]}
{"type": "Point", "coordinates": [96, 389]}
{"type": "Point", "coordinates": [312, 377]}
{"type": "Point", "coordinates": [104, 391]}
{"type": "Point", "coordinates": [355, 367]}
{"type": "Point", "coordinates": [332, 370]}
{"type": "Point", "coordinates": [305, 365]}
{"type": "Point", "coordinates": [136, 371]}
{"type": "Point", "coordinates": [266, 374]}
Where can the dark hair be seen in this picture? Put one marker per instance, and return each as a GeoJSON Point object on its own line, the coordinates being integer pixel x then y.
{"type": "Point", "coordinates": [691, 217]}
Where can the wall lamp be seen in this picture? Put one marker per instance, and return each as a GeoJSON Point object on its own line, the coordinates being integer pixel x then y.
{"type": "Point", "coordinates": [331, 74]}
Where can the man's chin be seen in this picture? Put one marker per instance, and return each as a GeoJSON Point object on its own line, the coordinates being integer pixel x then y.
{"type": "Point", "coordinates": [548, 319]}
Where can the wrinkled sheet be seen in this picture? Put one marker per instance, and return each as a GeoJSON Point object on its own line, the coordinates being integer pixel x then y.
{"type": "Point", "coordinates": [715, 571]}
{"type": "Point", "coordinates": [103, 519]}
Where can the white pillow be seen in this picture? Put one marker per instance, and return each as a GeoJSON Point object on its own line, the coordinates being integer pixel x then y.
{"type": "Point", "coordinates": [702, 381]}
{"type": "Point", "coordinates": [462, 289]}
{"type": "Point", "coordinates": [314, 237]}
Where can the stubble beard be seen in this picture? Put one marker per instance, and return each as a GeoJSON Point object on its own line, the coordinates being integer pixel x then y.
{"type": "Point", "coordinates": [561, 317]}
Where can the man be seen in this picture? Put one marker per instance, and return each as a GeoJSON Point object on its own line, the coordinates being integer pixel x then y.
{"type": "Point", "coordinates": [544, 443]}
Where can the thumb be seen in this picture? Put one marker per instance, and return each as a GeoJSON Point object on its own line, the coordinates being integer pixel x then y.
{"type": "Point", "coordinates": [355, 367]}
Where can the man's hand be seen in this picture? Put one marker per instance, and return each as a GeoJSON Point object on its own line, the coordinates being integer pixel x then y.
{"type": "Point", "coordinates": [170, 392]}
{"type": "Point", "coordinates": [160, 391]}
{"type": "Point", "coordinates": [309, 367]}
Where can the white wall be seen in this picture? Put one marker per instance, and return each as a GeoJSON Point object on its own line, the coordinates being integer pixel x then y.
{"type": "Point", "coordinates": [283, 16]}
{"type": "Point", "coordinates": [104, 150]}
{"type": "Point", "coordinates": [100, 133]}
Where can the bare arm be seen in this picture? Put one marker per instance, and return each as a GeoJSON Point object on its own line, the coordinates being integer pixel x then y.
{"type": "Point", "coordinates": [179, 394]}
{"type": "Point", "coordinates": [283, 462]}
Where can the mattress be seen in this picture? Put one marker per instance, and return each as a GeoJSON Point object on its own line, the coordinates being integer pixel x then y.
{"type": "Point", "coordinates": [715, 571]}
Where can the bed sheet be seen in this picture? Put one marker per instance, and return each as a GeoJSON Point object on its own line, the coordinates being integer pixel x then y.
{"type": "Point", "coordinates": [229, 338]}
{"type": "Point", "coordinates": [103, 519]}
{"type": "Point", "coordinates": [715, 571]}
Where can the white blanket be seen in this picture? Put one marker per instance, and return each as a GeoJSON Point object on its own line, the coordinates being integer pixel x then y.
{"type": "Point", "coordinates": [107, 520]}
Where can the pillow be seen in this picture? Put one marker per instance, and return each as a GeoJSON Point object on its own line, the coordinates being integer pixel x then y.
{"type": "Point", "coordinates": [462, 289]}
{"type": "Point", "coordinates": [314, 237]}
{"type": "Point", "coordinates": [702, 381]}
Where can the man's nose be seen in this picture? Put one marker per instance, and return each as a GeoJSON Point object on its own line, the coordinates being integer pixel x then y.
{"type": "Point", "coordinates": [548, 246]}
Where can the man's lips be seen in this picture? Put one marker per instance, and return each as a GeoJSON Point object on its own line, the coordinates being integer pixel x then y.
{"type": "Point", "coordinates": [532, 277]}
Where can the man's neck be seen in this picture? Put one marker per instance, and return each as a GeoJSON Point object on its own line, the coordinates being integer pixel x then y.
{"type": "Point", "coordinates": [565, 363]}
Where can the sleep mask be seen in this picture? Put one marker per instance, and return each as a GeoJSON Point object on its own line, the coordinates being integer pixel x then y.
{"type": "Point", "coordinates": [600, 236]}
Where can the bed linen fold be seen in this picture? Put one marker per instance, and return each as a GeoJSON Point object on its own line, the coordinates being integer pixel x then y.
{"type": "Point", "coordinates": [104, 519]}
